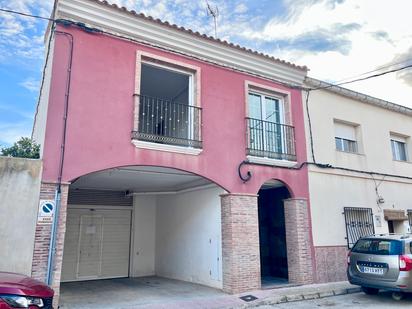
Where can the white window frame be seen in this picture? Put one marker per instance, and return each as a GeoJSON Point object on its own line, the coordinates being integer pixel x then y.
{"type": "Point", "coordinates": [340, 140]}
{"type": "Point", "coordinates": [342, 148]}
{"type": "Point", "coordinates": [190, 90]}
{"type": "Point", "coordinates": [263, 95]}
{"type": "Point", "coordinates": [395, 149]}
{"type": "Point", "coordinates": [194, 100]}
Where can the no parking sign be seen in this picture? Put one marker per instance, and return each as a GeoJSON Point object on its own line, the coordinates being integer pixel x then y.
{"type": "Point", "coordinates": [46, 211]}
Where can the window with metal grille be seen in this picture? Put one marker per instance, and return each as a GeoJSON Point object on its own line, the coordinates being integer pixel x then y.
{"type": "Point", "coordinates": [359, 223]}
{"type": "Point", "coordinates": [410, 218]}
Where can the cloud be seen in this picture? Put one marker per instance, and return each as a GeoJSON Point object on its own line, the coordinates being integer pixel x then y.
{"type": "Point", "coordinates": [336, 39]}
{"type": "Point", "coordinates": [240, 8]}
{"type": "Point", "coordinates": [402, 60]}
{"type": "Point", "coordinates": [10, 109]}
{"type": "Point", "coordinates": [19, 35]}
{"type": "Point", "coordinates": [11, 132]}
{"type": "Point", "coordinates": [342, 39]}
{"type": "Point", "coordinates": [31, 85]}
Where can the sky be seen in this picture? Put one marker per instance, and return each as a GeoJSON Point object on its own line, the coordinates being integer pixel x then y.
{"type": "Point", "coordinates": [338, 40]}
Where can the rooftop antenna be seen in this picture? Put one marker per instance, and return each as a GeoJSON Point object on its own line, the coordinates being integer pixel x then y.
{"type": "Point", "coordinates": [214, 12]}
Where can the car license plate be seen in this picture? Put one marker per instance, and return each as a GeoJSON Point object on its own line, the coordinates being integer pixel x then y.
{"type": "Point", "coordinates": [372, 270]}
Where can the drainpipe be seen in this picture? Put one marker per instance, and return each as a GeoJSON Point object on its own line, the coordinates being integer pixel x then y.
{"type": "Point", "coordinates": [57, 198]}
{"type": "Point", "coordinates": [52, 247]}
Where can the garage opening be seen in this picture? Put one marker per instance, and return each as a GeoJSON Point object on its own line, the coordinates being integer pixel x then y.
{"type": "Point", "coordinates": [142, 221]}
{"type": "Point", "coordinates": [272, 234]}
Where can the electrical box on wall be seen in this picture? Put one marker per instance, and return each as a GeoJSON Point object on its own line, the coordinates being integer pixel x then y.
{"type": "Point", "coordinates": [378, 220]}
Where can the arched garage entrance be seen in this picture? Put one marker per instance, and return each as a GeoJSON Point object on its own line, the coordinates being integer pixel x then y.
{"type": "Point", "coordinates": [141, 221]}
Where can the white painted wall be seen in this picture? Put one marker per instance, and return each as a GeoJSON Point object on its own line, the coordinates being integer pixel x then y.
{"type": "Point", "coordinates": [19, 203]}
{"type": "Point", "coordinates": [39, 127]}
{"type": "Point", "coordinates": [331, 190]}
{"type": "Point", "coordinates": [330, 193]}
{"type": "Point", "coordinates": [375, 127]}
{"type": "Point", "coordinates": [178, 236]}
{"type": "Point", "coordinates": [188, 237]}
{"type": "Point", "coordinates": [144, 236]}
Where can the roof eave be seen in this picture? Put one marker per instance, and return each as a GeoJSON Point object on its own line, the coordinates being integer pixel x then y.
{"type": "Point", "coordinates": [115, 20]}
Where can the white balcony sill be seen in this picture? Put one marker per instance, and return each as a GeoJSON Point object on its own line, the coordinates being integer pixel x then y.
{"type": "Point", "coordinates": [268, 161]}
{"type": "Point", "coordinates": [167, 148]}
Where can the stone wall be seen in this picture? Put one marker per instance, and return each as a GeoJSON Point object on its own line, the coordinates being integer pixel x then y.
{"type": "Point", "coordinates": [331, 262]}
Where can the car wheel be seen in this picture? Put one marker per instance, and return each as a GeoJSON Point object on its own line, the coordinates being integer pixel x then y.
{"type": "Point", "coordinates": [397, 295]}
{"type": "Point", "coordinates": [370, 291]}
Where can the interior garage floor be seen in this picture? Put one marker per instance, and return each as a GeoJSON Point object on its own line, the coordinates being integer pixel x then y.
{"type": "Point", "coordinates": [130, 293]}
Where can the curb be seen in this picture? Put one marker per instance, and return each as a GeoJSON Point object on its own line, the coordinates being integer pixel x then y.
{"type": "Point", "coordinates": [279, 299]}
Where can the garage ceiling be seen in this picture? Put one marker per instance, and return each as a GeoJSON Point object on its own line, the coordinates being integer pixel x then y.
{"type": "Point", "coordinates": [140, 179]}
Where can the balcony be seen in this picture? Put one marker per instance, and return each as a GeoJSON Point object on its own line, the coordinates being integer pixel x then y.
{"type": "Point", "coordinates": [270, 140]}
{"type": "Point", "coordinates": [167, 122]}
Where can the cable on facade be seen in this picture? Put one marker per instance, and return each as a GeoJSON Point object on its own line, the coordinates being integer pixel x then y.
{"type": "Point", "coordinates": [83, 26]}
{"type": "Point", "coordinates": [320, 165]}
{"type": "Point", "coordinates": [52, 247]}
{"type": "Point", "coordinates": [310, 126]}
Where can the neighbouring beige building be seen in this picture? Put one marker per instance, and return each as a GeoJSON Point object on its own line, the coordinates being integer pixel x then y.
{"type": "Point", "coordinates": [362, 182]}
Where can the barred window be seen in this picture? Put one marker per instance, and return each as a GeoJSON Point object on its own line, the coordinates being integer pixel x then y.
{"type": "Point", "coordinates": [359, 223]}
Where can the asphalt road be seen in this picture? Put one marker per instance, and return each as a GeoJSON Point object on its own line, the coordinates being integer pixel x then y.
{"type": "Point", "coordinates": [353, 301]}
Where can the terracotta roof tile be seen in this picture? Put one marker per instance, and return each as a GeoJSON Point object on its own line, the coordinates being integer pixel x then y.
{"type": "Point", "coordinates": [203, 36]}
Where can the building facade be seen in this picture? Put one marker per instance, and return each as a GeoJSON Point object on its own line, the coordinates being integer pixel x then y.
{"type": "Point", "coordinates": [169, 153]}
{"type": "Point", "coordinates": [362, 184]}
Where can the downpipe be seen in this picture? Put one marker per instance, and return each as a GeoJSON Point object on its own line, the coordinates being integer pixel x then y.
{"type": "Point", "coordinates": [57, 198]}
{"type": "Point", "coordinates": [52, 248]}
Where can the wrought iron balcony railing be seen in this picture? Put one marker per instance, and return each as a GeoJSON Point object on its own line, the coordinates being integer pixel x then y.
{"type": "Point", "coordinates": [270, 140]}
{"type": "Point", "coordinates": [167, 122]}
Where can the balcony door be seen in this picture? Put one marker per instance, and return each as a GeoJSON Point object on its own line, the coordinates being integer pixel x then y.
{"type": "Point", "coordinates": [166, 110]}
{"type": "Point", "coordinates": [266, 116]}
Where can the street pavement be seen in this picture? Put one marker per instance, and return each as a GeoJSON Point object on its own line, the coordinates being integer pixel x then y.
{"type": "Point", "coordinates": [353, 301]}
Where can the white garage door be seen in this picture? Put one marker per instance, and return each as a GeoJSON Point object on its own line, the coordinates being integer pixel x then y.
{"type": "Point", "coordinates": [97, 244]}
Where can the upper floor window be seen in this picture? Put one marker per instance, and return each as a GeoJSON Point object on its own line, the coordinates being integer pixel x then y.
{"type": "Point", "coordinates": [345, 137]}
{"type": "Point", "coordinates": [166, 110]}
{"type": "Point", "coordinates": [265, 108]}
{"type": "Point", "coordinates": [268, 134]}
{"type": "Point", "coordinates": [398, 145]}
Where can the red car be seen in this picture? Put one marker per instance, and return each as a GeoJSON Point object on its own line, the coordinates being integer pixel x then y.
{"type": "Point", "coordinates": [20, 291]}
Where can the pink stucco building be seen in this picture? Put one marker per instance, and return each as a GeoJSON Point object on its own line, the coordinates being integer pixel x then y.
{"type": "Point", "coordinates": [172, 154]}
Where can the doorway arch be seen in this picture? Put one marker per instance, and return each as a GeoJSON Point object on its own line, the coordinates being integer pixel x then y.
{"type": "Point", "coordinates": [272, 233]}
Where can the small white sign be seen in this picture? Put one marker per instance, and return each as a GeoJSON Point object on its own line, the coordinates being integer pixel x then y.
{"type": "Point", "coordinates": [378, 220]}
{"type": "Point", "coordinates": [46, 211]}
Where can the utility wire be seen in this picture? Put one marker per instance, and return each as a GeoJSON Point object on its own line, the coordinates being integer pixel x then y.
{"type": "Point", "coordinates": [321, 165]}
{"type": "Point", "coordinates": [283, 83]}
{"type": "Point", "coordinates": [374, 70]}
{"type": "Point", "coordinates": [26, 14]}
{"type": "Point", "coordinates": [363, 78]}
